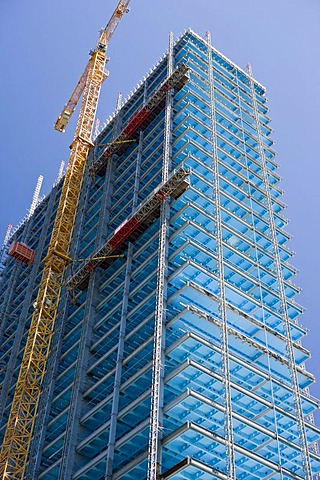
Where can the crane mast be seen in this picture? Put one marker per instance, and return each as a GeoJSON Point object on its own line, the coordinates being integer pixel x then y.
{"type": "Point", "coordinates": [18, 434]}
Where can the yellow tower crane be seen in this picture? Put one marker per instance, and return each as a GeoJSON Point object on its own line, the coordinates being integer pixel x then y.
{"type": "Point", "coordinates": [18, 434]}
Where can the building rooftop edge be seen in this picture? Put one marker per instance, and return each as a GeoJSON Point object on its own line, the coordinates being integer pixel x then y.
{"type": "Point", "coordinates": [223, 56]}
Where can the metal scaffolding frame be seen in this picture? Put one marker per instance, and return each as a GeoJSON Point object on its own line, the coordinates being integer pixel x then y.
{"type": "Point", "coordinates": [229, 441]}
{"type": "Point", "coordinates": [290, 351]}
{"type": "Point", "coordinates": [161, 296]}
{"type": "Point", "coordinates": [187, 318]}
{"type": "Point", "coordinates": [117, 377]}
{"type": "Point", "coordinates": [268, 352]}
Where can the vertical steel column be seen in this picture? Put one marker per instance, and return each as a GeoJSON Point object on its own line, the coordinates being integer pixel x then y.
{"type": "Point", "coordinates": [314, 447]}
{"type": "Point", "coordinates": [75, 406]}
{"type": "Point", "coordinates": [122, 331]}
{"type": "Point", "coordinates": [73, 422]}
{"type": "Point", "coordinates": [225, 367]}
{"type": "Point", "coordinates": [118, 120]}
{"type": "Point", "coordinates": [79, 220]}
{"type": "Point", "coordinates": [35, 198]}
{"type": "Point", "coordinates": [285, 317]}
{"type": "Point", "coordinates": [6, 318]}
{"type": "Point", "coordinates": [145, 92]}
{"type": "Point", "coordinates": [8, 296]}
{"type": "Point", "coordinates": [137, 174]}
{"type": "Point", "coordinates": [39, 432]}
{"type": "Point", "coordinates": [161, 297]}
{"type": "Point", "coordinates": [60, 173]}
{"type": "Point", "coordinates": [276, 427]}
{"type": "Point", "coordinates": [104, 217]}
{"type": "Point", "coordinates": [4, 244]}
{"type": "Point", "coordinates": [7, 236]}
{"type": "Point", "coordinates": [118, 370]}
{"type": "Point", "coordinates": [118, 101]}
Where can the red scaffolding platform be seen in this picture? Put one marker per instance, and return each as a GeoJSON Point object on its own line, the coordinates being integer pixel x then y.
{"type": "Point", "coordinates": [141, 119]}
{"type": "Point", "coordinates": [132, 227]}
{"type": "Point", "coordinates": [21, 252]}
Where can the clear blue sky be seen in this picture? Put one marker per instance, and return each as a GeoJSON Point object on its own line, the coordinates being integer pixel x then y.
{"type": "Point", "coordinates": [44, 48]}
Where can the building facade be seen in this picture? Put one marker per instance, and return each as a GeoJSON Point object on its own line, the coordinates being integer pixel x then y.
{"type": "Point", "coordinates": [177, 349]}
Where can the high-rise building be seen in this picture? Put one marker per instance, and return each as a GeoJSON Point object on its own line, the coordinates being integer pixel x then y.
{"type": "Point", "coordinates": [177, 349]}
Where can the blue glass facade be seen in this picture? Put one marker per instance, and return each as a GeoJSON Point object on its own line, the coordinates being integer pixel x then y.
{"type": "Point", "coordinates": [229, 373]}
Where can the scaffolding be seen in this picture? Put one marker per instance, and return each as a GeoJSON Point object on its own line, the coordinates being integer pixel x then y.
{"type": "Point", "coordinates": [178, 351]}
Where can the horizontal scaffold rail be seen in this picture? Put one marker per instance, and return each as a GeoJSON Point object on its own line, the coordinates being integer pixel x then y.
{"type": "Point", "coordinates": [142, 118]}
{"type": "Point", "coordinates": [132, 227]}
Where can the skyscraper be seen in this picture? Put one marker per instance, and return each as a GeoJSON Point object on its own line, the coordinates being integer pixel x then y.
{"type": "Point", "coordinates": [177, 351]}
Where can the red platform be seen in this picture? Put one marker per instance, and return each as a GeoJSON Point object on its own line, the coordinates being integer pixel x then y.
{"type": "Point", "coordinates": [21, 252]}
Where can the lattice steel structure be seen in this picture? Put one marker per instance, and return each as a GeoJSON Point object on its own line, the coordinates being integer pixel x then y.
{"type": "Point", "coordinates": [177, 347]}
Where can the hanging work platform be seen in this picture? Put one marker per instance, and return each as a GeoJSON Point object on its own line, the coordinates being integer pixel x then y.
{"type": "Point", "coordinates": [142, 118]}
{"type": "Point", "coordinates": [132, 227]}
{"type": "Point", "coordinates": [21, 252]}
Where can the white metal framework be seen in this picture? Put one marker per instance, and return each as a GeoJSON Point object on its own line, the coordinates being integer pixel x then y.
{"type": "Point", "coordinates": [230, 456]}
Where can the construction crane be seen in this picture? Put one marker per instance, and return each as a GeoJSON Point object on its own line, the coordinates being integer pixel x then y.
{"type": "Point", "coordinates": [18, 434]}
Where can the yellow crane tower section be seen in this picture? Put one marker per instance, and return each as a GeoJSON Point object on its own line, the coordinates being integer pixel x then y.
{"type": "Point", "coordinates": [18, 434]}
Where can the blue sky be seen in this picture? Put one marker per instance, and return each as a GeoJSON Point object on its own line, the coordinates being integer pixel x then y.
{"type": "Point", "coordinates": [44, 48]}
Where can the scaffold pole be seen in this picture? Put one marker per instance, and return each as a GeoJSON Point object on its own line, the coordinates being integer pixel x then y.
{"type": "Point", "coordinates": [228, 427]}
{"type": "Point", "coordinates": [284, 310]}
{"type": "Point", "coordinates": [161, 295]}
{"type": "Point", "coordinates": [35, 198]}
